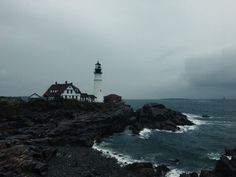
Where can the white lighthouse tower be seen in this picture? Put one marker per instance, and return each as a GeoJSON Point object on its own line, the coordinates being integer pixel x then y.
{"type": "Point", "coordinates": [98, 92]}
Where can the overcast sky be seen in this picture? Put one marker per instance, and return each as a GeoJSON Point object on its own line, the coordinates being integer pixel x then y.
{"type": "Point", "coordinates": [147, 48]}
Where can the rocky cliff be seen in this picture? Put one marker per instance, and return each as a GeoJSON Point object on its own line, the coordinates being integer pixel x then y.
{"type": "Point", "coordinates": [30, 132]}
{"type": "Point", "coordinates": [54, 139]}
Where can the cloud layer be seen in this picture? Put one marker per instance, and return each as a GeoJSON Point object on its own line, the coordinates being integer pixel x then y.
{"type": "Point", "coordinates": [148, 49]}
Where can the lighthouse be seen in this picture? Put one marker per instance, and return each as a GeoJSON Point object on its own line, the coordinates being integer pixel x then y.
{"type": "Point", "coordinates": [98, 92]}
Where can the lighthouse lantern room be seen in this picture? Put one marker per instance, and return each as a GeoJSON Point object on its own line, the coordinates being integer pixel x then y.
{"type": "Point", "coordinates": [98, 92]}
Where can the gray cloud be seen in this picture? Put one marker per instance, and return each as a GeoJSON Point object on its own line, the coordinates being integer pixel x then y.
{"type": "Point", "coordinates": [151, 49]}
{"type": "Point", "coordinates": [215, 71]}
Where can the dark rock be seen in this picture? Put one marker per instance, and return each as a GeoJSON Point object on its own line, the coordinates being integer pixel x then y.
{"type": "Point", "coordinates": [137, 166]}
{"type": "Point", "coordinates": [161, 170]}
{"type": "Point", "coordinates": [189, 175]}
{"type": "Point", "coordinates": [6, 174]}
{"type": "Point", "coordinates": [205, 116]}
{"type": "Point", "coordinates": [230, 152]}
{"type": "Point", "coordinates": [132, 119]}
{"type": "Point", "coordinates": [142, 169]}
{"type": "Point", "coordinates": [157, 116]}
{"type": "Point", "coordinates": [146, 107]}
{"type": "Point", "coordinates": [226, 167]}
{"type": "Point", "coordinates": [145, 169]}
{"type": "Point", "coordinates": [89, 143]}
{"type": "Point", "coordinates": [32, 132]}
{"type": "Point", "coordinates": [207, 174]}
{"type": "Point", "coordinates": [75, 164]}
{"type": "Point", "coordinates": [40, 168]}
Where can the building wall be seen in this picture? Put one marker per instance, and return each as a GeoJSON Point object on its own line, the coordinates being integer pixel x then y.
{"type": "Point", "coordinates": [69, 93]}
{"type": "Point", "coordinates": [98, 92]}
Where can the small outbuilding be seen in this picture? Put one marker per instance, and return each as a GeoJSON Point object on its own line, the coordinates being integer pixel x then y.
{"type": "Point", "coordinates": [83, 97]}
{"type": "Point", "coordinates": [91, 98]}
{"type": "Point", "coordinates": [112, 98]}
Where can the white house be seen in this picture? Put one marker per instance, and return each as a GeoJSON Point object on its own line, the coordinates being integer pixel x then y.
{"type": "Point", "coordinates": [66, 91]}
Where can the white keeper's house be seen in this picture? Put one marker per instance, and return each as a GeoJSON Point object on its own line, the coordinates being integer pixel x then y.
{"type": "Point", "coordinates": [67, 91]}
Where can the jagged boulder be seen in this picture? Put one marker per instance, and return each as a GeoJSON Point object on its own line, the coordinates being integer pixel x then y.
{"type": "Point", "coordinates": [189, 175]}
{"type": "Point", "coordinates": [226, 167]}
{"type": "Point", "coordinates": [230, 152]}
{"type": "Point", "coordinates": [145, 169]}
{"type": "Point", "coordinates": [157, 116]}
{"type": "Point", "coordinates": [205, 173]}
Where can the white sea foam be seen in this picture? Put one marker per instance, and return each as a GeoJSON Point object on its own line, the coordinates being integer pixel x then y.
{"type": "Point", "coordinates": [146, 133]}
{"type": "Point", "coordinates": [174, 173]}
{"type": "Point", "coordinates": [186, 128]}
{"type": "Point", "coordinates": [195, 119]}
{"type": "Point", "coordinates": [229, 157]}
{"type": "Point", "coordinates": [192, 115]}
{"type": "Point", "coordinates": [214, 156]}
{"type": "Point", "coordinates": [121, 159]}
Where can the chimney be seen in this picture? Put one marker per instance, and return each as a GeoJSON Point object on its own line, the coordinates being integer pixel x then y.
{"type": "Point", "coordinates": [55, 83]}
{"type": "Point", "coordinates": [65, 82]}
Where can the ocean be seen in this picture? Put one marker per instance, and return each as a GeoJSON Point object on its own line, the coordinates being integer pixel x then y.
{"type": "Point", "coordinates": [192, 148]}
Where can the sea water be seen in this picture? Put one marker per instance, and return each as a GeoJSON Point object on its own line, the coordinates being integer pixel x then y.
{"type": "Point", "coordinates": [192, 148]}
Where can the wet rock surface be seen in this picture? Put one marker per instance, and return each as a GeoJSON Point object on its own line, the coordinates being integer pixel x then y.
{"type": "Point", "coordinates": [84, 162]}
{"type": "Point", "coordinates": [55, 138]}
{"type": "Point", "coordinates": [31, 132]}
{"type": "Point", "coordinates": [189, 175]}
{"type": "Point", "coordinates": [147, 170]}
{"type": "Point", "coordinates": [157, 116]}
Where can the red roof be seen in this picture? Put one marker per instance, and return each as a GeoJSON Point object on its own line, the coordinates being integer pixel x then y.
{"type": "Point", "coordinates": [59, 89]}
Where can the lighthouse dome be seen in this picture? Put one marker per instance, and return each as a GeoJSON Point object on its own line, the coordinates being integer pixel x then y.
{"type": "Point", "coordinates": [98, 68]}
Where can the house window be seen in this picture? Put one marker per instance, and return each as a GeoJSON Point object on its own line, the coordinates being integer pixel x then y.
{"type": "Point", "coordinates": [71, 91]}
{"type": "Point", "coordinates": [76, 97]}
{"type": "Point", "coordinates": [67, 91]}
{"type": "Point", "coordinates": [65, 96]}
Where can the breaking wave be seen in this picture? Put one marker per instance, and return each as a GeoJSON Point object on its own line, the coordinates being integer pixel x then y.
{"type": "Point", "coordinates": [174, 173]}
{"type": "Point", "coordinates": [195, 119]}
{"type": "Point", "coordinates": [121, 158]}
{"type": "Point", "coordinates": [214, 156]}
{"type": "Point", "coordinates": [146, 133]}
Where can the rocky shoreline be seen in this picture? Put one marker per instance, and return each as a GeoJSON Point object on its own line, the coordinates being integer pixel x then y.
{"type": "Point", "coordinates": [55, 138]}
